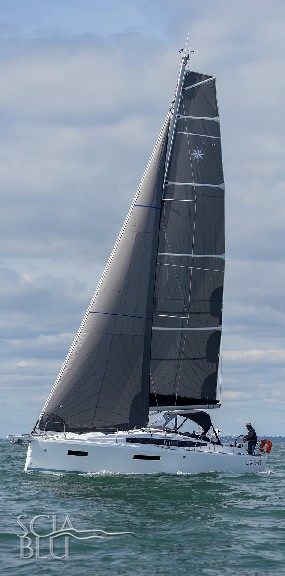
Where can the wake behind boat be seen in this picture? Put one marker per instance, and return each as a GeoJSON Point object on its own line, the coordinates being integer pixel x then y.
{"type": "Point", "coordinates": [150, 339]}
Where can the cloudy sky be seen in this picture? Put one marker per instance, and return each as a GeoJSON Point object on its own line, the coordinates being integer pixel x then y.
{"type": "Point", "coordinates": [84, 89]}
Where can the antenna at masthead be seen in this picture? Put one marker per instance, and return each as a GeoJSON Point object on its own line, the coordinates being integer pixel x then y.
{"type": "Point", "coordinates": [185, 51]}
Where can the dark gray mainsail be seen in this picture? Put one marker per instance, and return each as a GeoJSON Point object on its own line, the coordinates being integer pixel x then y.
{"type": "Point", "coordinates": [104, 382]}
{"type": "Point", "coordinates": [190, 264]}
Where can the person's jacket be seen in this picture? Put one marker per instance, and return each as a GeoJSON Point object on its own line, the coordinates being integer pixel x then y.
{"type": "Point", "coordinates": [251, 436]}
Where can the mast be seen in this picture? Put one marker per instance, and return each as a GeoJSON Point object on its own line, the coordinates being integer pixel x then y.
{"type": "Point", "coordinates": [175, 104]}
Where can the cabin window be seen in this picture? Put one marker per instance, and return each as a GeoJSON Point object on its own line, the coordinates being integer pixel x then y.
{"type": "Point", "coordinates": [145, 457]}
{"type": "Point", "coordinates": [77, 453]}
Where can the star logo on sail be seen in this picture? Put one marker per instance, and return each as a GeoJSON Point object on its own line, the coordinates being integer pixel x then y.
{"type": "Point", "coordinates": [198, 154]}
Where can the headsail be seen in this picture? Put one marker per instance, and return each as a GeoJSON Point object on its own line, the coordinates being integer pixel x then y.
{"type": "Point", "coordinates": [104, 382]}
{"type": "Point", "coordinates": [190, 263]}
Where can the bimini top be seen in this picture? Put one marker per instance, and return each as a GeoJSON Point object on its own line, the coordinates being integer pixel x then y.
{"type": "Point", "coordinates": [198, 416]}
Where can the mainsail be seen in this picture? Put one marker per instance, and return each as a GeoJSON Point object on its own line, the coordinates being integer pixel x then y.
{"type": "Point", "coordinates": [151, 334]}
{"type": "Point", "coordinates": [190, 264]}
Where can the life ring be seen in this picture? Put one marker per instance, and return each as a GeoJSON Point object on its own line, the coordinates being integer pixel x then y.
{"type": "Point", "coordinates": [265, 446]}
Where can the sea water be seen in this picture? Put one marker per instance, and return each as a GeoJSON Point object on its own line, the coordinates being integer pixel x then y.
{"type": "Point", "coordinates": [206, 524]}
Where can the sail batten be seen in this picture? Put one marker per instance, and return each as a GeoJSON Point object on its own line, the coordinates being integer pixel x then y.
{"type": "Point", "coordinates": [201, 135]}
{"type": "Point", "coordinates": [194, 184]}
{"type": "Point", "coordinates": [186, 328]}
{"type": "Point", "coordinates": [214, 118]}
{"type": "Point", "coordinates": [199, 83]}
{"type": "Point", "coordinates": [221, 256]}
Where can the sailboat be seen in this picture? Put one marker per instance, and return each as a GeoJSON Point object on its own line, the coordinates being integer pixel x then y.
{"type": "Point", "coordinates": [150, 339]}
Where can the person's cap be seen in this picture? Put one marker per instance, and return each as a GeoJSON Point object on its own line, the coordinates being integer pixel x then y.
{"type": "Point", "coordinates": [248, 424]}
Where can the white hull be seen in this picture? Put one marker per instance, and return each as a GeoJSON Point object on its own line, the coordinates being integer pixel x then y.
{"type": "Point", "coordinates": [131, 453]}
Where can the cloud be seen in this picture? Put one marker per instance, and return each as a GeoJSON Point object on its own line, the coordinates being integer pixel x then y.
{"type": "Point", "coordinates": [235, 395]}
{"type": "Point", "coordinates": [72, 144]}
{"type": "Point", "coordinates": [264, 356]}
